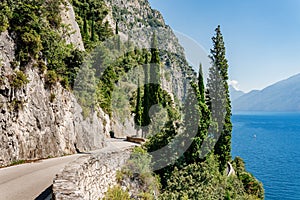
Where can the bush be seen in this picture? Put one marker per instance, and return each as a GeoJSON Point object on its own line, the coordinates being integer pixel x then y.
{"type": "Point", "coordinates": [2, 82]}
{"type": "Point", "coordinates": [252, 185]}
{"type": "Point", "coordinates": [41, 66]}
{"type": "Point", "coordinates": [139, 178]}
{"type": "Point", "coordinates": [51, 78]}
{"type": "Point", "coordinates": [16, 105]}
{"type": "Point", "coordinates": [204, 181]}
{"type": "Point", "coordinates": [19, 80]}
{"type": "Point", "coordinates": [52, 97]}
{"type": "Point", "coordinates": [116, 193]}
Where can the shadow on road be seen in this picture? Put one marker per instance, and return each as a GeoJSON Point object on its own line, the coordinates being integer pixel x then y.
{"type": "Point", "coordinates": [46, 194]}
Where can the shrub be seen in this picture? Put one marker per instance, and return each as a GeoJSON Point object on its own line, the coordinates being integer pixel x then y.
{"type": "Point", "coordinates": [19, 79]}
{"type": "Point", "coordinates": [52, 97]}
{"type": "Point", "coordinates": [252, 185]}
{"type": "Point", "coordinates": [138, 175]}
{"type": "Point", "coordinates": [116, 193]}
{"type": "Point", "coordinates": [41, 66]}
{"type": "Point", "coordinates": [16, 105]}
{"type": "Point", "coordinates": [17, 162]}
{"type": "Point", "coordinates": [51, 78]}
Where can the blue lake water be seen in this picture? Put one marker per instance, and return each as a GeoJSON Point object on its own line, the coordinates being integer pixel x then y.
{"type": "Point", "coordinates": [270, 146]}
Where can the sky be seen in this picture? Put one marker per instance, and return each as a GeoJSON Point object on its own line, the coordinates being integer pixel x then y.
{"type": "Point", "coordinates": [262, 37]}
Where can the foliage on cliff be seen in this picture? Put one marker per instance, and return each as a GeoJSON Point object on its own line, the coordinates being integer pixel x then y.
{"type": "Point", "coordinates": [137, 177]}
{"type": "Point", "coordinates": [90, 15]}
{"type": "Point", "coordinates": [200, 172]}
{"type": "Point", "coordinates": [37, 29]}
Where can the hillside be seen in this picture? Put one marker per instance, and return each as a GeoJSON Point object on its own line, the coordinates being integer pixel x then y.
{"type": "Point", "coordinates": [282, 96]}
{"type": "Point", "coordinates": [74, 73]}
{"type": "Point", "coordinates": [235, 94]}
{"type": "Point", "coordinates": [44, 111]}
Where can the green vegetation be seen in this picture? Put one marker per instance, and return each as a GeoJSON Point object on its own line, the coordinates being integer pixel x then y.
{"type": "Point", "coordinates": [52, 97]}
{"type": "Point", "coordinates": [202, 120]}
{"type": "Point", "coordinates": [116, 193]}
{"type": "Point", "coordinates": [89, 16]}
{"type": "Point", "coordinates": [18, 80]}
{"type": "Point", "coordinates": [251, 185]}
{"type": "Point", "coordinates": [16, 105]}
{"type": "Point", "coordinates": [219, 98]}
{"type": "Point", "coordinates": [37, 29]}
{"type": "Point", "coordinates": [200, 172]}
{"type": "Point", "coordinates": [138, 176]}
{"type": "Point", "coordinates": [17, 162]}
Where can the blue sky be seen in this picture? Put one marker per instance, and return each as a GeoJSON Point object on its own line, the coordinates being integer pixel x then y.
{"type": "Point", "coordinates": [262, 37]}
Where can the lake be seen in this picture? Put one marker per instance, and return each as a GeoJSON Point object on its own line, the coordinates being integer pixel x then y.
{"type": "Point", "coordinates": [269, 143]}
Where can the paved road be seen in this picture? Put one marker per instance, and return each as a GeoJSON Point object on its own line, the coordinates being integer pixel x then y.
{"type": "Point", "coordinates": [28, 181]}
{"type": "Point", "coordinates": [230, 169]}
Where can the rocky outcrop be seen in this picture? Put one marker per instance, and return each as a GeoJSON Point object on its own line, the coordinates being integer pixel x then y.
{"type": "Point", "coordinates": [89, 177]}
{"type": "Point", "coordinates": [39, 122]}
{"type": "Point", "coordinates": [137, 22]}
{"type": "Point", "coordinates": [68, 18]}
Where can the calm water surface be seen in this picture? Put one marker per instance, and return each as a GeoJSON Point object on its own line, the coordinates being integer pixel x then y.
{"type": "Point", "coordinates": [270, 146]}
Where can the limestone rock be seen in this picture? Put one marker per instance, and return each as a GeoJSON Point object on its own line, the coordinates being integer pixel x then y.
{"type": "Point", "coordinates": [37, 123]}
{"type": "Point", "coordinates": [68, 18]}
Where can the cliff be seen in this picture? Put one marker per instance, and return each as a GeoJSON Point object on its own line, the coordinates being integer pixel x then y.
{"type": "Point", "coordinates": [137, 21]}
{"type": "Point", "coordinates": [38, 122]}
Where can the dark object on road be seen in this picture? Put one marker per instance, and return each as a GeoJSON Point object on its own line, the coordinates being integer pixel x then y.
{"type": "Point", "coordinates": [136, 140]}
{"type": "Point", "coordinates": [112, 134]}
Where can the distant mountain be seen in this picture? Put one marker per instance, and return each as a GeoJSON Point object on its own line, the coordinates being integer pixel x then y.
{"type": "Point", "coordinates": [235, 94]}
{"type": "Point", "coordinates": [283, 96]}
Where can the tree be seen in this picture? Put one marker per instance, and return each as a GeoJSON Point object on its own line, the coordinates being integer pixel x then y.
{"type": "Point", "coordinates": [146, 98]}
{"type": "Point", "coordinates": [138, 118]}
{"type": "Point", "coordinates": [154, 71]}
{"type": "Point", "coordinates": [219, 97]}
{"type": "Point", "coordinates": [152, 92]}
{"type": "Point", "coordinates": [201, 84]}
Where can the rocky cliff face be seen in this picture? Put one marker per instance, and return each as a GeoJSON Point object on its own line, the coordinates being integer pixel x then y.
{"type": "Point", "coordinates": [137, 21]}
{"type": "Point", "coordinates": [68, 18]}
{"type": "Point", "coordinates": [38, 122]}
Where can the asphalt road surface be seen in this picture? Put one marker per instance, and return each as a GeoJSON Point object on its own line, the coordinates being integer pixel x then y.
{"type": "Point", "coordinates": [29, 181]}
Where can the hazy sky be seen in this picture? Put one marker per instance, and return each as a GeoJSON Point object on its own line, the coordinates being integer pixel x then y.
{"type": "Point", "coordinates": [262, 37]}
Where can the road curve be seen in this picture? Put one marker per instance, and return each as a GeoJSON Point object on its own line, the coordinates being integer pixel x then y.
{"type": "Point", "coordinates": [28, 181]}
{"type": "Point", "coordinates": [230, 169]}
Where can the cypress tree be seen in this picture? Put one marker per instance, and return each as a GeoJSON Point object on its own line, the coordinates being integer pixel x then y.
{"type": "Point", "coordinates": [201, 84]}
{"type": "Point", "coordinates": [219, 97]}
{"type": "Point", "coordinates": [93, 26]}
{"type": "Point", "coordinates": [117, 27]}
{"type": "Point", "coordinates": [138, 109]}
{"type": "Point", "coordinates": [146, 98]}
{"type": "Point", "coordinates": [154, 71]}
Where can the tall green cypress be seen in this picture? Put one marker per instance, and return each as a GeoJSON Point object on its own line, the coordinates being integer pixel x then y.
{"type": "Point", "coordinates": [154, 71]}
{"type": "Point", "coordinates": [117, 27]}
{"type": "Point", "coordinates": [146, 99]}
{"type": "Point", "coordinates": [201, 84]}
{"type": "Point", "coordinates": [217, 84]}
{"type": "Point", "coordinates": [93, 26]}
{"type": "Point", "coordinates": [139, 107]}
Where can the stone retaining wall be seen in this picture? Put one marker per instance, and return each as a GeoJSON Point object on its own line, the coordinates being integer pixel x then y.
{"type": "Point", "coordinates": [90, 176]}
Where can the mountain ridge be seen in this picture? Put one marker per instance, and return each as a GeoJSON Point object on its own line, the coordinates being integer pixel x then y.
{"type": "Point", "coordinates": [282, 96]}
